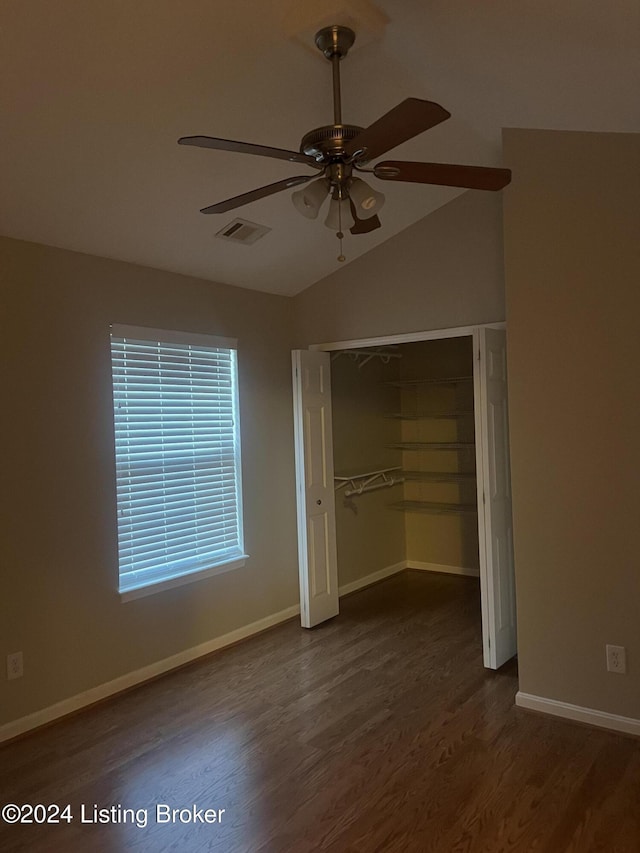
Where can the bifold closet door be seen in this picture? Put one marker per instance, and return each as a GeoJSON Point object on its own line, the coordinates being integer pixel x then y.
{"type": "Point", "coordinates": [317, 556]}
{"type": "Point", "coordinates": [497, 582]}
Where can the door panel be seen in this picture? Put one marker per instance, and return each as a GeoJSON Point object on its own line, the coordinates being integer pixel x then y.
{"type": "Point", "coordinates": [318, 565]}
{"type": "Point", "coordinates": [494, 498]}
{"type": "Point", "coordinates": [319, 561]}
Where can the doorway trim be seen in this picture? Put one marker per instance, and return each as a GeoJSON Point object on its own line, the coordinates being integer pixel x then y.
{"type": "Point", "coordinates": [407, 337]}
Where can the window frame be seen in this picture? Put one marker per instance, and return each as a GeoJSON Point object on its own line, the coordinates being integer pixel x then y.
{"type": "Point", "coordinates": [159, 582]}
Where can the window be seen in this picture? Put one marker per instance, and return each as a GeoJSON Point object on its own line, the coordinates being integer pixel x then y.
{"type": "Point", "coordinates": [177, 443]}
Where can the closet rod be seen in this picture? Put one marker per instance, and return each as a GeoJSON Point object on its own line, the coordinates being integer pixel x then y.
{"type": "Point", "coordinates": [362, 357]}
{"type": "Point", "coordinates": [372, 488]}
{"type": "Point", "coordinates": [356, 484]}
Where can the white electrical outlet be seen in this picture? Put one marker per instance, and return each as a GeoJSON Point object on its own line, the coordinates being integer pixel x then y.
{"type": "Point", "coordinates": [14, 665]}
{"type": "Point", "coordinates": [616, 659]}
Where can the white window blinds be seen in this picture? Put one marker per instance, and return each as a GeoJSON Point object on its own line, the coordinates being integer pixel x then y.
{"type": "Point", "coordinates": [177, 444]}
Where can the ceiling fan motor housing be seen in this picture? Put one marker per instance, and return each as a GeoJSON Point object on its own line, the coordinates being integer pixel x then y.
{"type": "Point", "coordinates": [327, 143]}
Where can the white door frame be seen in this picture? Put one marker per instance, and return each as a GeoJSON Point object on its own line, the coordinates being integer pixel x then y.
{"type": "Point", "coordinates": [408, 337]}
{"type": "Point", "coordinates": [432, 335]}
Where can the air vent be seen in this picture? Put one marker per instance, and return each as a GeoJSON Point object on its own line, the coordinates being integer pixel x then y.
{"type": "Point", "coordinates": [243, 231]}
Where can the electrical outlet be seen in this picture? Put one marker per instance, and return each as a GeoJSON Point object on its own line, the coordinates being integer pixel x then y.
{"type": "Point", "coordinates": [14, 666]}
{"type": "Point", "coordinates": [616, 659]}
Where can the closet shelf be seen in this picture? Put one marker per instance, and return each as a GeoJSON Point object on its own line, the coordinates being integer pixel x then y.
{"type": "Point", "coordinates": [440, 476]}
{"type": "Point", "coordinates": [432, 445]}
{"type": "Point", "coordinates": [451, 380]}
{"type": "Point", "coordinates": [434, 507]}
{"type": "Point", "coordinates": [419, 416]}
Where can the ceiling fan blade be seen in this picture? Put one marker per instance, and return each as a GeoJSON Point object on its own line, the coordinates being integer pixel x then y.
{"type": "Point", "coordinates": [363, 226]}
{"type": "Point", "coordinates": [254, 195]}
{"type": "Point", "coordinates": [403, 122]}
{"type": "Point", "coordinates": [249, 148]}
{"type": "Point", "coordinates": [444, 174]}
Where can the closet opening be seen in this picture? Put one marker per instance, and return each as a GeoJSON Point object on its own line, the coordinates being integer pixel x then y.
{"type": "Point", "coordinates": [402, 463]}
{"type": "Point", "coordinates": [404, 460]}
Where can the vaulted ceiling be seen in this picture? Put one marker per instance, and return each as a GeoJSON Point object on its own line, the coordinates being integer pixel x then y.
{"type": "Point", "coordinates": [95, 95]}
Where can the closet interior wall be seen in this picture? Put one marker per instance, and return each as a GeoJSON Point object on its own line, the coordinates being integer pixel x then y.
{"type": "Point", "coordinates": [370, 402]}
{"type": "Point", "coordinates": [369, 536]}
{"type": "Point", "coordinates": [439, 539]}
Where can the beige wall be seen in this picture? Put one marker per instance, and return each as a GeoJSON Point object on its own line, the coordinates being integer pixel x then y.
{"type": "Point", "coordinates": [59, 601]}
{"type": "Point", "coordinates": [444, 271]}
{"type": "Point", "coordinates": [572, 220]}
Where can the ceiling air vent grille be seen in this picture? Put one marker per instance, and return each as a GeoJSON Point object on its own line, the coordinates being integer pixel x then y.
{"type": "Point", "coordinates": [242, 231]}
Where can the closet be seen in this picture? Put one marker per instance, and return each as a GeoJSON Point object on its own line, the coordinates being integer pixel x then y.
{"type": "Point", "coordinates": [404, 459]}
{"type": "Point", "coordinates": [393, 446]}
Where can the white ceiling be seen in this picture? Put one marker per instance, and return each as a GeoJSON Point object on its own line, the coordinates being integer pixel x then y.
{"type": "Point", "coordinates": [95, 95]}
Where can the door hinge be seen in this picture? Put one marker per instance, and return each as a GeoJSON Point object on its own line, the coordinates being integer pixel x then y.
{"type": "Point", "coordinates": [484, 499]}
{"type": "Point", "coordinates": [478, 355]}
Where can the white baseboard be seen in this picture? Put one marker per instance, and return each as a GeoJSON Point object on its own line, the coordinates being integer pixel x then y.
{"type": "Point", "coordinates": [601, 719]}
{"type": "Point", "coordinates": [437, 567]}
{"type": "Point", "coordinates": [131, 679]}
{"type": "Point", "coordinates": [374, 577]}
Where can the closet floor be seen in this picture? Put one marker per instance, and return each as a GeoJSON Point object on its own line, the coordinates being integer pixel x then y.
{"type": "Point", "coordinates": [378, 731]}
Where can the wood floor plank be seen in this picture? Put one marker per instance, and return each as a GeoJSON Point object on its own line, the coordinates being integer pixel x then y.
{"type": "Point", "coordinates": [378, 731]}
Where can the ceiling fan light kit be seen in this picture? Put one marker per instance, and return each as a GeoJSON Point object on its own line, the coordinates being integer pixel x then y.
{"type": "Point", "coordinates": [336, 150]}
{"type": "Point", "coordinates": [339, 215]}
{"type": "Point", "coordinates": [309, 200]}
{"type": "Point", "coordinates": [366, 200]}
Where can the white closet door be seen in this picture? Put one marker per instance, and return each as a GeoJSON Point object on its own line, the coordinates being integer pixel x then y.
{"type": "Point", "coordinates": [318, 565]}
{"type": "Point", "coordinates": [497, 581]}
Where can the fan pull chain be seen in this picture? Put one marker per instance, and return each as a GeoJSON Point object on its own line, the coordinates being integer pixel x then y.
{"type": "Point", "coordinates": [340, 235]}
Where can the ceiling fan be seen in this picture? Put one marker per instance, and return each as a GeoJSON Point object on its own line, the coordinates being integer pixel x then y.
{"type": "Point", "coordinates": [338, 150]}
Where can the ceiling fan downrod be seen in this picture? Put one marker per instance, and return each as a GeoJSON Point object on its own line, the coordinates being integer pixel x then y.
{"type": "Point", "coordinates": [327, 144]}
{"type": "Point", "coordinates": [335, 42]}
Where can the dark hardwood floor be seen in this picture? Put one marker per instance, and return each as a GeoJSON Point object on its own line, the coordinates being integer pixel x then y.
{"type": "Point", "coordinates": [379, 732]}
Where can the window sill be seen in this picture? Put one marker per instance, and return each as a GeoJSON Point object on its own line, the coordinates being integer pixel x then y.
{"type": "Point", "coordinates": [153, 587]}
